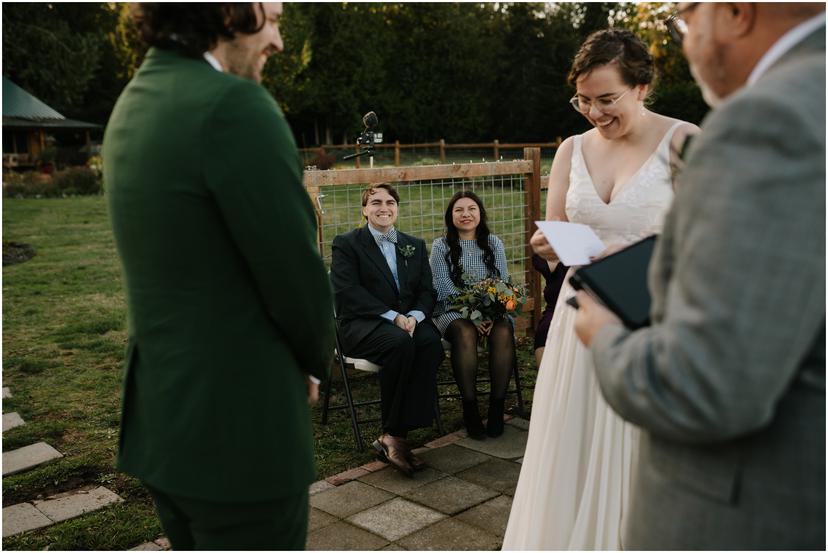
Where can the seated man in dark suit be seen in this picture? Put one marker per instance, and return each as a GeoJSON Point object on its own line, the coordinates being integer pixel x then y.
{"type": "Point", "coordinates": [384, 298]}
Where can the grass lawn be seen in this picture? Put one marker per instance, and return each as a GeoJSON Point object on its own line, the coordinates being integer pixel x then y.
{"type": "Point", "coordinates": [64, 335]}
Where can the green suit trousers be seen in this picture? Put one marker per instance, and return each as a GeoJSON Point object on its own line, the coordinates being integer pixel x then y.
{"type": "Point", "coordinates": [195, 524]}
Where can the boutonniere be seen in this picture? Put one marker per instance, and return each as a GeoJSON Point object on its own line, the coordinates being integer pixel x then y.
{"type": "Point", "coordinates": [407, 251]}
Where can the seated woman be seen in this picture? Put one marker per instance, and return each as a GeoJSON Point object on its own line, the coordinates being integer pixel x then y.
{"type": "Point", "coordinates": [469, 253]}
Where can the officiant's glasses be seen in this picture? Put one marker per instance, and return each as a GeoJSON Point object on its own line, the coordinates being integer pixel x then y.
{"type": "Point", "coordinates": [677, 24]}
{"type": "Point", "coordinates": [603, 104]}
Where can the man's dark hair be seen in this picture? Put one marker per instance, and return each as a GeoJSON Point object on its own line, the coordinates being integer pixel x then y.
{"type": "Point", "coordinates": [614, 45]}
{"type": "Point", "coordinates": [195, 28]}
{"type": "Point", "coordinates": [371, 190]}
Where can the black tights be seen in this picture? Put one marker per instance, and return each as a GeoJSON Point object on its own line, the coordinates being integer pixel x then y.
{"type": "Point", "coordinates": [462, 334]}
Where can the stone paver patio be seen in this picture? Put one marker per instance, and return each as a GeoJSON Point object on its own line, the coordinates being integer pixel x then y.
{"type": "Point", "coordinates": [460, 502]}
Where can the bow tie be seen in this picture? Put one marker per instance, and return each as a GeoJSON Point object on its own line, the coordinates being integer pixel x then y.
{"type": "Point", "coordinates": [390, 237]}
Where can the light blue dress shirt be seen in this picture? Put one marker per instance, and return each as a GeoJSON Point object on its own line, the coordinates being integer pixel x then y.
{"type": "Point", "coordinates": [389, 252]}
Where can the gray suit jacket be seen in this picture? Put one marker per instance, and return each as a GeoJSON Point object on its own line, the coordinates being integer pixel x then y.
{"type": "Point", "coordinates": [728, 383]}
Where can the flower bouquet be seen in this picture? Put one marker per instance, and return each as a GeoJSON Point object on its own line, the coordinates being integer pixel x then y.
{"type": "Point", "coordinates": [488, 300]}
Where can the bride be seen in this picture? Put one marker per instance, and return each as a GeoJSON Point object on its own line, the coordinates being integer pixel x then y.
{"type": "Point", "coordinates": [574, 485]}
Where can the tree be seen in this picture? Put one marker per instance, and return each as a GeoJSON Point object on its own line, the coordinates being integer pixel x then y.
{"type": "Point", "coordinates": [50, 50]}
{"type": "Point", "coordinates": [676, 93]}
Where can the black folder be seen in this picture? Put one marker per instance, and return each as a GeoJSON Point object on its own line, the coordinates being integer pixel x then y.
{"type": "Point", "coordinates": [620, 282]}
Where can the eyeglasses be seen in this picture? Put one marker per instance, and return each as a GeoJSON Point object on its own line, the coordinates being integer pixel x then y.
{"type": "Point", "coordinates": [677, 24]}
{"type": "Point", "coordinates": [601, 104]}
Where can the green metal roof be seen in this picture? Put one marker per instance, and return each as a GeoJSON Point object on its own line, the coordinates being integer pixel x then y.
{"type": "Point", "coordinates": [22, 110]}
{"type": "Point", "coordinates": [20, 104]}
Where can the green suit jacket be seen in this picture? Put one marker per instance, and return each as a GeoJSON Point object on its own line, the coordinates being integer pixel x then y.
{"type": "Point", "coordinates": [229, 302]}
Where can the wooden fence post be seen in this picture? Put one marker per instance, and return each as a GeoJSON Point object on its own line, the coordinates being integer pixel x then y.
{"type": "Point", "coordinates": [442, 150]}
{"type": "Point", "coordinates": [313, 192]}
{"type": "Point", "coordinates": [397, 153]}
{"type": "Point", "coordinates": [496, 149]}
{"type": "Point", "coordinates": [532, 184]}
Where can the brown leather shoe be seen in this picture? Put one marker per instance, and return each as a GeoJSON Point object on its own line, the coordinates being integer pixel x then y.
{"type": "Point", "coordinates": [394, 450]}
{"type": "Point", "coordinates": [415, 462]}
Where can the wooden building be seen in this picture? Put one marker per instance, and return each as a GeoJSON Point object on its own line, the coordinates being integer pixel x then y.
{"type": "Point", "coordinates": [27, 124]}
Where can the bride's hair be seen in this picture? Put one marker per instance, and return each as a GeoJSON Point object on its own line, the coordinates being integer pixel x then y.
{"type": "Point", "coordinates": [481, 237]}
{"type": "Point", "coordinates": [614, 46]}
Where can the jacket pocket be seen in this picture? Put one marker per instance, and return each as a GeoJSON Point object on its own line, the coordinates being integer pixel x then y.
{"type": "Point", "coordinates": [713, 471]}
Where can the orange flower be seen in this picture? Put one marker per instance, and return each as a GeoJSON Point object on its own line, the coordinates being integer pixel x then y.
{"type": "Point", "coordinates": [510, 305]}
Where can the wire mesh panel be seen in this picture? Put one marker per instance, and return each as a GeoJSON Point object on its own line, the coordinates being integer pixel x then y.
{"type": "Point", "coordinates": [422, 207]}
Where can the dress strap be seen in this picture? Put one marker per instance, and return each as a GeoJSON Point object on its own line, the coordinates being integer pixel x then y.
{"type": "Point", "coordinates": [668, 138]}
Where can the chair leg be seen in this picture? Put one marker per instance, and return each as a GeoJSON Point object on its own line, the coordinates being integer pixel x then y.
{"type": "Point", "coordinates": [326, 389]}
{"type": "Point", "coordinates": [437, 415]}
{"type": "Point", "coordinates": [518, 389]}
{"type": "Point", "coordinates": [354, 423]}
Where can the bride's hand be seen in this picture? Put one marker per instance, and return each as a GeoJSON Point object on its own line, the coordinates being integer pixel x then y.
{"type": "Point", "coordinates": [541, 247]}
{"type": "Point", "coordinates": [611, 249]}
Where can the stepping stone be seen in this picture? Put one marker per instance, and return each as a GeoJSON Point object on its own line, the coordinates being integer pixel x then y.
{"type": "Point", "coordinates": [491, 516]}
{"type": "Point", "coordinates": [451, 535]}
{"type": "Point", "coordinates": [451, 458]}
{"type": "Point", "coordinates": [396, 518]}
{"type": "Point", "coordinates": [6, 393]}
{"type": "Point", "coordinates": [392, 480]}
{"type": "Point", "coordinates": [518, 422]}
{"type": "Point", "coordinates": [319, 519]}
{"type": "Point", "coordinates": [149, 546]}
{"type": "Point", "coordinates": [28, 457]}
{"type": "Point", "coordinates": [343, 537]}
{"type": "Point", "coordinates": [450, 495]}
{"type": "Point", "coordinates": [74, 504]}
{"type": "Point", "coordinates": [495, 474]}
{"type": "Point", "coordinates": [510, 445]}
{"type": "Point", "coordinates": [349, 499]}
{"type": "Point", "coordinates": [22, 517]}
{"type": "Point", "coordinates": [11, 420]}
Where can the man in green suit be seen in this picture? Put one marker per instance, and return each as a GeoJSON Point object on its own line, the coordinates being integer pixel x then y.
{"type": "Point", "coordinates": [230, 308]}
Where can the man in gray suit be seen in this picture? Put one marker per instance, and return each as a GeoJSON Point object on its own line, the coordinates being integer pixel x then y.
{"type": "Point", "coordinates": [728, 384]}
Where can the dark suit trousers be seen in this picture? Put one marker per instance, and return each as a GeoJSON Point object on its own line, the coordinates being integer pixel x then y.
{"type": "Point", "coordinates": [408, 378]}
{"type": "Point", "coordinates": [196, 524]}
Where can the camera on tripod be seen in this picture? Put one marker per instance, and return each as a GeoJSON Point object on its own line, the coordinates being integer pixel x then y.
{"type": "Point", "coordinates": [368, 137]}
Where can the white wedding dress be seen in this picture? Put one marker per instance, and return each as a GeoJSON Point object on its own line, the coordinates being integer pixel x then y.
{"type": "Point", "coordinates": [574, 484]}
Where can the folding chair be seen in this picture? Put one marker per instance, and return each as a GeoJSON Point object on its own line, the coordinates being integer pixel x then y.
{"type": "Point", "coordinates": [360, 365]}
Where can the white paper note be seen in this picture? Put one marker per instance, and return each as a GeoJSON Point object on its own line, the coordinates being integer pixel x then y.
{"type": "Point", "coordinates": [573, 242]}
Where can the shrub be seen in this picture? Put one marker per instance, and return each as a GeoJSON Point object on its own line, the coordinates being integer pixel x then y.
{"type": "Point", "coordinates": [323, 160]}
{"type": "Point", "coordinates": [77, 180]}
{"type": "Point", "coordinates": [29, 185]}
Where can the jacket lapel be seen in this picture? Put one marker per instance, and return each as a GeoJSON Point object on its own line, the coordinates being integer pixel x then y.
{"type": "Point", "coordinates": [373, 252]}
{"type": "Point", "coordinates": [402, 261]}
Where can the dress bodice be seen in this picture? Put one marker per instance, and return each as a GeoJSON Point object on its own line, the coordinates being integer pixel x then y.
{"type": "Point", "coordinates": [639, 206]}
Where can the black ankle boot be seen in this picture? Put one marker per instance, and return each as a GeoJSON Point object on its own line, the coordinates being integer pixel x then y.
{"type": "Point", "coordinates": [471, 418]}
{"type": "Point", "coordinates": [494, 426]}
